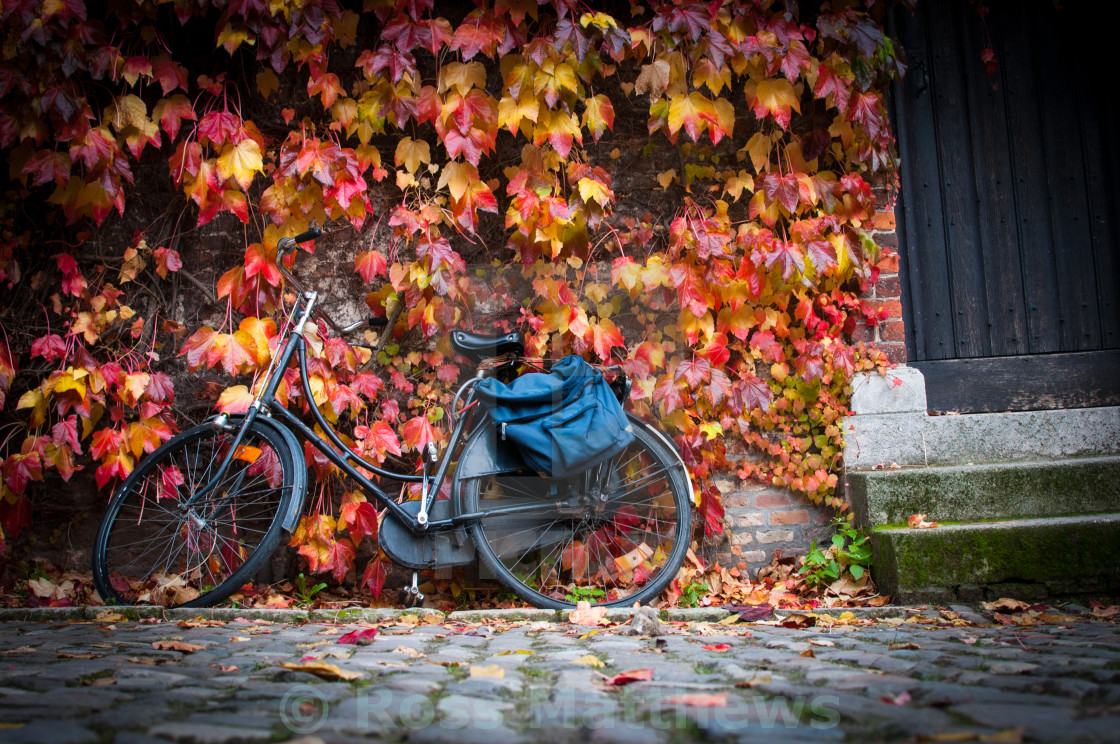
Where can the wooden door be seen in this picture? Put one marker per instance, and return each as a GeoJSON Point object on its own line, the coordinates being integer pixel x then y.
{"type": "Point", "coordinates": [1009, 211]}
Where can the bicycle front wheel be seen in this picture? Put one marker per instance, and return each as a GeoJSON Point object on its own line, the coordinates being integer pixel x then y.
{"type": "Point", "coordinates": [613, 535]}
{"type": "Point", "coordinates": [153, 547]}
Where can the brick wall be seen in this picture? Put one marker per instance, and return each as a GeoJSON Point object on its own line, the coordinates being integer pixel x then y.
{"type": "Point", "coordinates": [886, 294]}
{"type": "Point", "coordinates": [762, 519]}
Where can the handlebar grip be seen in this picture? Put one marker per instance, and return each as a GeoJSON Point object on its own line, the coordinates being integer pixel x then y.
{"type": "Point", "coordinates": [311, 234]}
{"type": "Point", "coordinates": [376, 322]}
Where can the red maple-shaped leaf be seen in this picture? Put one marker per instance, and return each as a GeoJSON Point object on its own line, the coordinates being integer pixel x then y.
{"type": "Point", "coordinates": [417, 432]}
{"type": "Point", "coordinates": [625, 678]}
{"type": "Point", "coordinates": [358, 517]}
{"type": "Point", "coordinates": [694, 371]}
{"type": "Point", "coordinates": [711, 511]}
{"type": "Point", "coordinates": [360, 637]}
{"type": "Point", "coordinates": [338, 558]}
{"type": "Point", "coordinates": [370, 264]}
{"type": "Point", "coordinates": [49, 347]}
{"type": "Point", "coordinates": [258, 261]}
{"type": "Point", "coordinates": [383, 438]}
{"type": "Point", "coordinates": [373, 578]}
{"type": "Point", "coordinates": [755, 393]}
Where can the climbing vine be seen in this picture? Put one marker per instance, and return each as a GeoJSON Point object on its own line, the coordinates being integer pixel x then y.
{"type": "Point", "coordinates": [428, 137]}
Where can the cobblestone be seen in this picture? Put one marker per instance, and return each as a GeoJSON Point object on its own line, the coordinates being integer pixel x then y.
{"type": "Point", "coordinates": [69, 678]}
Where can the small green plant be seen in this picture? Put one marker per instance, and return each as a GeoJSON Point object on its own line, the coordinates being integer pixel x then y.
{"type": "Point", "coordinates": [585, 594]}
{"type": "Point", "coordinates": [305, 593]}
{"type": "Point", "coordinates": [691, 594]}
{"type": "Point", "coordinates": [850, 550]}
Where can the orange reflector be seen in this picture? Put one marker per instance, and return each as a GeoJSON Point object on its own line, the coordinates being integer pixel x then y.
{"type": "Point", "coordinates": [247, 453]}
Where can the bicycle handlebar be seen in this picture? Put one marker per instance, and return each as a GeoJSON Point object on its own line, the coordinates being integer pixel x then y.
{"type": "Point", "coordinates": [286, 246]}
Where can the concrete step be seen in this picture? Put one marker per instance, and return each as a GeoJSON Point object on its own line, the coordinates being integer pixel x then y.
{"type": "Point", "coordinates": [975, 493]}
{"type": "Point", "coordinates": [890, 425]}
{"type": "Point", "coordinates": [1029, 559]}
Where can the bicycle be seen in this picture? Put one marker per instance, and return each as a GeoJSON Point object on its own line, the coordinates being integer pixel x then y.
{"type": "Point", "coordinates": [198, 517]}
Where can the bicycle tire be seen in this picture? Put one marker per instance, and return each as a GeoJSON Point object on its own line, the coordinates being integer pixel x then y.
{"type": "Point", "coordinates": [647, 467]}
{"type": "Point", "coordinates": [205, 554]}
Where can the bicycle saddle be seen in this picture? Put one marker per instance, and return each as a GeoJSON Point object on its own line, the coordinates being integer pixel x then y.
{"type": "Point", "coordinates": [479, 346]}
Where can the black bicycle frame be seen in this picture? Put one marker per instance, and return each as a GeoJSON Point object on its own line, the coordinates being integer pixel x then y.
{"type": "Point", "coordinates": [346, 462]}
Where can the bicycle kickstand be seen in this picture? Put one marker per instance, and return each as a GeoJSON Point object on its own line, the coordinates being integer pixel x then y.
{"type": "Point", "coordinates": [413, 592]}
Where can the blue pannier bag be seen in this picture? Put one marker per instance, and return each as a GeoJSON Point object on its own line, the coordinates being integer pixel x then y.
{"type": "Point", "coordinates": [563, 422]}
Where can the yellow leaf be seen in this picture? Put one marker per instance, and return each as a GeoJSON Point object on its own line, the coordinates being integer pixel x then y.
{"type": "Point", "coordinates": [127, 111]}
{"type": "Point", "coordinates": [514, 651]}
{"type": "Point", "coordinates": [589, 660]}
{"type": "Point", "coordinates": [457, 177]}
{"type": "Point", "coordinates": [758, 148]}
{"type": "Point", "coordinates": [411, 153]}
{"type": "Point", "coordinates": [241, 162]}
{"type": "Point", "coordinates": [667, 177]}
{"type": "Point", "coordinates": [462, 77]}
{"type": "Point", "coordinates": [712, 429]}
{"type": "Point", "coordinates": [737, 183]}
{"type": "Point", "coordinates": [512, 112]}
{"type": "Point", "coordinates": [267, 83]}
{"type": "Point", "coordinates": [108, 616]}
{"type": "Point", "coordinates": [493, 671]}
{"type": "Point", "coordinates": [590, 189]}
{"type": "Point", "coordinates": [323, 669]}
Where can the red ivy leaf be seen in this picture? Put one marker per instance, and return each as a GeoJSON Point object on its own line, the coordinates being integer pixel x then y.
{"type": "Point", "coordinates": [373, 578]}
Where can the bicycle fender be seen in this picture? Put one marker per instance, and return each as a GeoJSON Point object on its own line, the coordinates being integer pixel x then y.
{"type": "Point", "coordinates": [672, 446]}
{"type": "Point", "coordinates": [299, 468]}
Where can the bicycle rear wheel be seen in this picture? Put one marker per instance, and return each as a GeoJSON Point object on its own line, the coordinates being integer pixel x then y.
{"type": "Point", "coordinates": [153, 549]}
{"type": "Point", "coordinates": [613, 535]}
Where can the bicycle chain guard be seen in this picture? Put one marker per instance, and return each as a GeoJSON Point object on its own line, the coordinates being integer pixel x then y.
{"type": "Point", "coordinates": [428, 551]}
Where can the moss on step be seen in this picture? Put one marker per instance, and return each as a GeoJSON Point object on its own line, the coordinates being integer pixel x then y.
{"type": "Point", "coordinates": [1037, 558]}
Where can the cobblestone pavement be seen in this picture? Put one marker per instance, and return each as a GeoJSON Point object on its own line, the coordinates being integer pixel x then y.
{"type": "Point", "coordinates": [433, 679]}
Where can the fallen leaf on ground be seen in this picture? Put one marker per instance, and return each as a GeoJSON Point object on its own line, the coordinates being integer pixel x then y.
{"type": "Point", "coordinates": [903, 647]}
{"type": "Point", "coordinates": [700, 700]}
{"type": "Point", "coordinates": [798, 620]}
{"type": "Point", "coordinates": [511, 652]}
{"type": "Point", "coordinates": [588, 660]}
{"type": "Point", "coordinates": [99, 682]}
{"type": "Point", "coordinates": [1105, 613]}
{"type": "Point", "coordinates": [588, 634]}
{"type": "Point", "coordinates": [969, 640]}
{"type": "Point", "coordinates": [239, 639]}
{"type": "Point", "coordinates": [20, 650]}
{"type": "Point", "coordinates": [901, 698]}
{"type": "Point", "coordinates": [362, 637]}
{"type": "Point", "coordinates": [751, 613]}
{"type": "Point", "coordinates": [200, 622]}
{"type": "Point", "coordinates": [760, 679]}
{"type": "Point", "coordinates": [323, 669]}
{"type": "Point", "coordinates": [187, 648]}
{"type": "Point", "coordinates": [808, 654]}
{"type": "Point", "coordinates": [225, 667]}
{"type": "Point", "coordinates": [316, 644]}
{"type": "Point", "coordinates": [108, 616]}
{"type": "Point", "coordinates": [918, 522]}
{"type": "Point", "coordinates": [625, 678]}
{"type": "Point", "coordinates": [717, 647]}
{"type": "Point", "coordinates": [822, 642]}
{"type": "Point", "coordinates": [78, 655]}
{"type": "Point", "coordinates": [408, 651]}
{"type": "Point", "coordinates": [494, 671]}
{"type": "Point", "coordinates": [1006, 604]}
{"type": "Point", "coordinates": [585, 614]}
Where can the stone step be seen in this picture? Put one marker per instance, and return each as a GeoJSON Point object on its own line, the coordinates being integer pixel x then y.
{"type": "Point", "coordinates": [975, 493]}
{"type": "Point", "coordinates": [1029, 559]}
